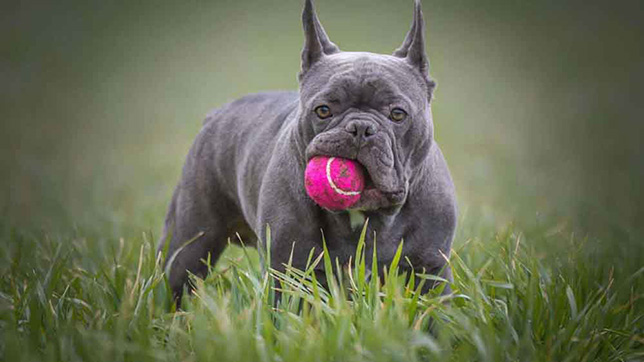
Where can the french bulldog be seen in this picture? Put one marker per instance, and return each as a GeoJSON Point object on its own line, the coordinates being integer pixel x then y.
{"type": "Point", "coordinates": [244, 174]}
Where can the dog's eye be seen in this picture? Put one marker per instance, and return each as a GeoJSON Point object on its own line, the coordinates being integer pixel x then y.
{"type": "Point", "coordinates": [323, 112]}
{"type": "Point", "coordinates": [397, 115]}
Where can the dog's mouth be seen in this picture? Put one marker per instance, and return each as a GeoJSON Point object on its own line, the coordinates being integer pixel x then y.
{"type": "Point", "coordinates": [368, 181]}
{"type": "Point", "coordinates": [384, 186]}
{"type": "Point", "coordinates": [372, 197]}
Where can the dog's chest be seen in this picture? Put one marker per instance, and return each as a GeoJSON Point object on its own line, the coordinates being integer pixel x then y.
{"type": "Point", "coordinates": [343, 231]}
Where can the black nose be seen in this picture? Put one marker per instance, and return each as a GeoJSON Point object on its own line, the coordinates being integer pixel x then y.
{"type": "Point", "coordinates": [360, 129]}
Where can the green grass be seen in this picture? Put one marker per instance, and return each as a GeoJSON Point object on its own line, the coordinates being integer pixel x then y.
{"type": "Point", "coordinates": [538, 294]}
{"type": "Point", "coordinates": [96, 122]}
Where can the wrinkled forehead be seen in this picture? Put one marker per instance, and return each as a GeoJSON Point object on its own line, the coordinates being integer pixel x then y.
{"type": "Point", "coordinates": [356, 76]}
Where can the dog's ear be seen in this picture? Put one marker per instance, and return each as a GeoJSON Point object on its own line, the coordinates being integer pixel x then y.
{"type": "Point", "coordinates": [316, 42]}
{"type": "Point", "coordinates": [413, 48]}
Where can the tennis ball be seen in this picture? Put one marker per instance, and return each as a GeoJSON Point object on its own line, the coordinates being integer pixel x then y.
{"type": "Point", "coordinates": [334, 183]}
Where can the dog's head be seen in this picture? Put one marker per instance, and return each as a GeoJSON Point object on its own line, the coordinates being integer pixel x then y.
{"type": "Point", "coordinates": [369, 107]}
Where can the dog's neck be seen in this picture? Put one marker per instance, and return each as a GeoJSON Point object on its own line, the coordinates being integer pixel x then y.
{"type": "Point", "coordinates": [299, 135]}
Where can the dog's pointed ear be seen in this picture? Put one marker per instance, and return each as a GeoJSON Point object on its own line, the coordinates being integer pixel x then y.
{"type": "Point", "coordinates": [413, 48]}
{"type": "Point", "coordinates": [316, 42]}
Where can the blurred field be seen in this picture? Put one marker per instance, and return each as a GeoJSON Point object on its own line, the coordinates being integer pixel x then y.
{"type": "Point", "coordinates": [538, 108]}
{"type": "Point", "coordinates": [538, 111]}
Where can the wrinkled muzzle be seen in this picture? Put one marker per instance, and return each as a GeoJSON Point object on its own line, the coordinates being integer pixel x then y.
{"type": "Point", "coordinates": [361, 141]}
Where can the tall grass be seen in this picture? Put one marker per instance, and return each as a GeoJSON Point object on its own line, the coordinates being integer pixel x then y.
{"type": "Point", "coordinates": [536, 294]}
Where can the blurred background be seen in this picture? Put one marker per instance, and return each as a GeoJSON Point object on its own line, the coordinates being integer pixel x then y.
{"type": "Point", "coordinates": [538, 108]}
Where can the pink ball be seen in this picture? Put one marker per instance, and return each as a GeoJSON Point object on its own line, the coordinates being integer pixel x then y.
{"type": "Point", "coordinates": [334, 183]}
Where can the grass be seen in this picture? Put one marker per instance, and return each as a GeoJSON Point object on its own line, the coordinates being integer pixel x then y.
{"type": "Point", "coordinates": [97, 121]}
{"type": "Point", "coordinates": [539, 294]}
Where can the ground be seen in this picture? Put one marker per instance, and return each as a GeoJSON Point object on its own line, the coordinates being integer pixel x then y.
{"type": "Point", "coordinates": [538, 293]}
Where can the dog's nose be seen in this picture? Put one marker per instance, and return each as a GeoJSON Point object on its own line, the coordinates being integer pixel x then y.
{"type": "Point", "coordinates": [360, 129]}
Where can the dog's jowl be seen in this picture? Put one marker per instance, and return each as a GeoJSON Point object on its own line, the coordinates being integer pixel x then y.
{"type": "Point", "coordinates": [245, 170]}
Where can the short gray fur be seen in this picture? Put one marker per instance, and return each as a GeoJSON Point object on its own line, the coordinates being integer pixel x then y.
{"type": "Point", "coordinates": [245, 169]}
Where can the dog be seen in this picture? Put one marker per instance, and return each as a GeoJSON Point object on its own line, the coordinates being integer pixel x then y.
{"type": "Point", "coordinates": [244, 173]}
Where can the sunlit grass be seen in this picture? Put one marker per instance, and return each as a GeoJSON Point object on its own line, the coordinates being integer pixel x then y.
{"type": "Point", "coordinates": [519, 295]}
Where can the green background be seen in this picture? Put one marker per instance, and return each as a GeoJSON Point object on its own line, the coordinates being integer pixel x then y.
{"type": "Point", "coordinates": [538, 109]}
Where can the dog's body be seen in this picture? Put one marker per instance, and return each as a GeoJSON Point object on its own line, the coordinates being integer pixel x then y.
{"type": "Point", "coordinates": [245, 170]}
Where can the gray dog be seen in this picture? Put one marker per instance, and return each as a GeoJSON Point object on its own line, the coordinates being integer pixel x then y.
{"type": "Point", "coordinates": [245, 170]}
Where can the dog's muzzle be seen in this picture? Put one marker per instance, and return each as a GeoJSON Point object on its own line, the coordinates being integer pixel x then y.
{"type": "Point", "coordinates": [360, 140]}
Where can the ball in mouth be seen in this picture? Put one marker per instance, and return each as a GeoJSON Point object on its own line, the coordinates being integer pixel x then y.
{"type": "Point", "coordinates": [334, 183]}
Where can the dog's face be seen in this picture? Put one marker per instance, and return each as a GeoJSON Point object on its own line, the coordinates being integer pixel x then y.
{"type": "Point", "coordinates": [369, 107]}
